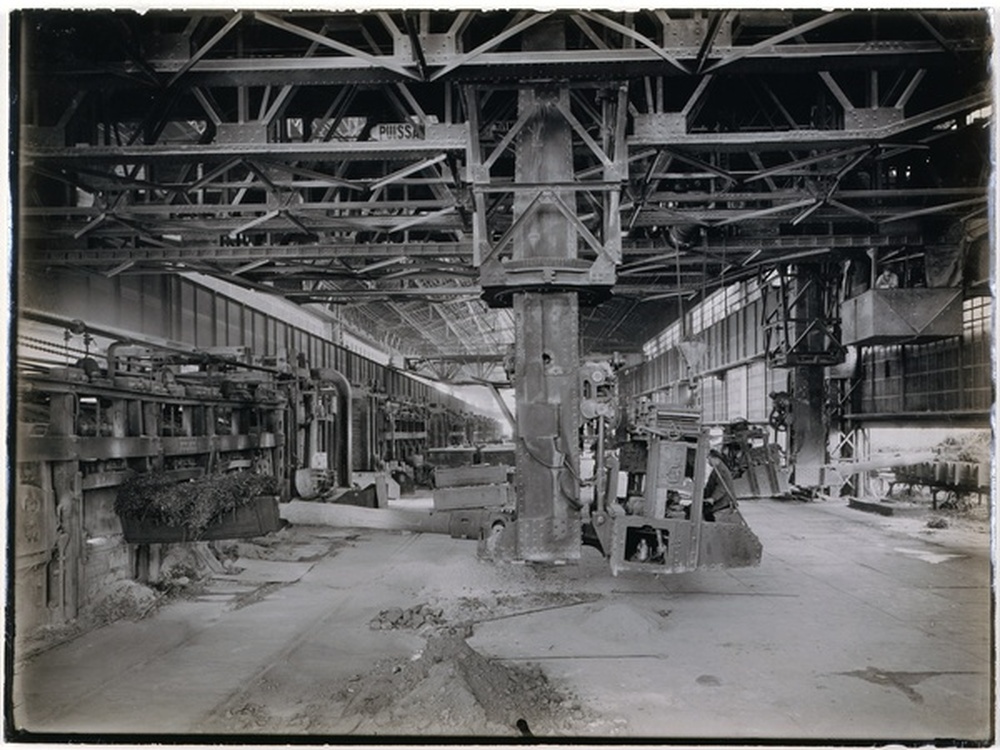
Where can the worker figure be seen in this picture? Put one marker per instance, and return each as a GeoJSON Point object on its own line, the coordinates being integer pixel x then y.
{"type": "Point", "coordinates": [887, 279]}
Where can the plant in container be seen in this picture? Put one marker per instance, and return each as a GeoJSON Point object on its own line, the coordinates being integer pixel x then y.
{"type": "Point", "coordinates": [153, 507]}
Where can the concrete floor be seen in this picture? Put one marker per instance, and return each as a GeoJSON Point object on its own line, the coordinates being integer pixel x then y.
{"type": "Point", "coordinates": [854, 627]}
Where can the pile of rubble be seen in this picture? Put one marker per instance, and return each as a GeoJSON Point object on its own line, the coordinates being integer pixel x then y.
{"type": "Point", "coordinates": [413, 618]}
{"type": "Point", "coordinates": [451, 689]}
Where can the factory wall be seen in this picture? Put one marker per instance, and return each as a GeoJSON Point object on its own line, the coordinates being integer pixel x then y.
{"type": "Point", "coordinates": [951, 376]}
{"type": "Point", "coordinates": [77, 440]}
{"type": "Point", "coordinates": [943, 378]}
{"type": "Point", "coordinates": [730, 379]}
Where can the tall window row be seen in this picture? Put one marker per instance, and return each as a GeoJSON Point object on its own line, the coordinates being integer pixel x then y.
{"type": "Point", "coordinates": [951, 375]}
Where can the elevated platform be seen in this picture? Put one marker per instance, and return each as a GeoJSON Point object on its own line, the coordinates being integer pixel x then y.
{"type": "Point", "coordinates": [901, 316]}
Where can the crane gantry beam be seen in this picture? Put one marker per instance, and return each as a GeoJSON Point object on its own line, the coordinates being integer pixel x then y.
{"type": "Point", "coordinates": [271, 148]}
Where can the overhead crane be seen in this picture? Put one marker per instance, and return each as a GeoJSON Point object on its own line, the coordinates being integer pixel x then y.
{"type": "Point", "coordinates": [448, 173]}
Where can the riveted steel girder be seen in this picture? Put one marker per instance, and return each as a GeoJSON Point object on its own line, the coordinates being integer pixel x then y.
{"type": "Point", "coordinates": [276, 148]}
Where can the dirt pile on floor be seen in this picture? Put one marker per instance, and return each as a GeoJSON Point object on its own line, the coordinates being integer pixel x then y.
{"type": "Point", "coordinates": [121, 600]}
{"type": "Point", "coordinates": [969, 515]}
{"type": "Point", "coordinates": [451, 689]}
{"type": "Point", "coordinates": [124, 600]}
{"type": "Point", "coordinates": [414, 618]}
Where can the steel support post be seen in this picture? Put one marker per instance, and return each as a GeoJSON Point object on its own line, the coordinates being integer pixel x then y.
{"type": "Point", "coordinates": [850, 449]}
{"type": "Point", "coordinates": [546, 361]}
{"type": "Point", "coordinates": [546, 335]}
{"type": "Point", "coordinates": [809, 430]}
{"type": "Point", "coordinates": [808, 438]}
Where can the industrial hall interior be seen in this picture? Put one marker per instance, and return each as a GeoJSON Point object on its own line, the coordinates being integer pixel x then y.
{"type": "Point", "coordinates": [509, 375]}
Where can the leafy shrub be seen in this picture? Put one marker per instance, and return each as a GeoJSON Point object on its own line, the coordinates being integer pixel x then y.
{"type": "Point", "coordinates": [195, 504]}
{"type": "Point", "coordinates": [974, 446]}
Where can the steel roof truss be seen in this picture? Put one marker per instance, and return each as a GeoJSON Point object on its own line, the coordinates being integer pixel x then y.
{"type": "Point", "coordinates": [376, 60]}
{"type": "Point", "coordinates": [635, 35]}
{"type": "Point", "coordinates": [406, 171]}
{"type": "Point", "coordinates": [509, 32]}
{"type": "Point", "coordinates": [207, 47]}
{"type": "Point", "coordinates": [766, 44]}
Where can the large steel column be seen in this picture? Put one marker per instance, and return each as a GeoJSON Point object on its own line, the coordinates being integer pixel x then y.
{"type": "Point", "coordinates": [546, 335]}
{"type": "Point", "coordinates": [809, 429]}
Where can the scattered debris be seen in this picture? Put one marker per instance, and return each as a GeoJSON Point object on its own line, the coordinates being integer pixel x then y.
{"type": "Point", "coordinates": [413, 618]}
{"type": "Point", "coordinates": [184, 568]}
{"type": "Point", "coordinates": [256, 595]}
{"type": "Point", "coordinates": [957, 501]}
{"type": "Point", "coordinates": [250, 714]}
{"type": "Point", "coordinates": [289, 544]}
{"type": "Point", "coordinates": [487, 609]}
{"type": "Point", "coordinates": [938, 523]}
{"type": "Point", "coordinates": [124, 600]}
